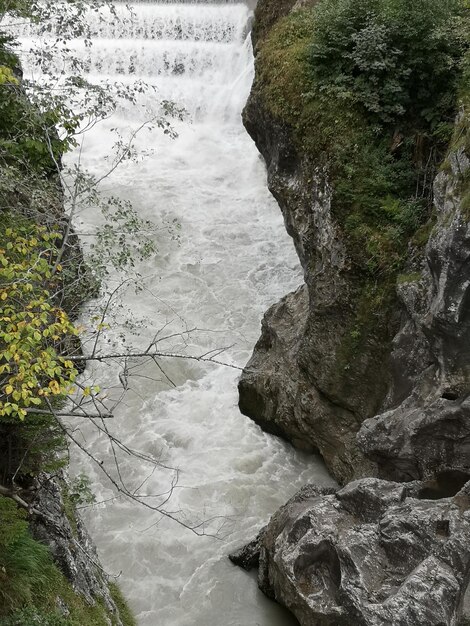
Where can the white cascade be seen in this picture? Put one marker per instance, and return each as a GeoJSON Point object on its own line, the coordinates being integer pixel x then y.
{"type": "Point", "coordinates": [233, 260]}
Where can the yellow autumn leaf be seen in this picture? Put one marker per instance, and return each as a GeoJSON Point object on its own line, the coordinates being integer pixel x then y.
{"type": "Point", "coordinates": [54, 387]}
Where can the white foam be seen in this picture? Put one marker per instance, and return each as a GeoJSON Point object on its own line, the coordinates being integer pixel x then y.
{"type": "Point", "coordinates": [233, 260]}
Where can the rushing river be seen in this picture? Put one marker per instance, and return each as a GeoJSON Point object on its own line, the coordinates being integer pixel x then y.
{"type": "Point", "coordinates": [230, 261]}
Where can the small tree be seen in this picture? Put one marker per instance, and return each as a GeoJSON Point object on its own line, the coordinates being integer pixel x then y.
{"type": "Point", "coordinates": [43, 276]}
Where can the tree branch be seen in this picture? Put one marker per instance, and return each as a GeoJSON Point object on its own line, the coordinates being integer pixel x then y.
{"type": "Point", "coordinates": [156, 354]}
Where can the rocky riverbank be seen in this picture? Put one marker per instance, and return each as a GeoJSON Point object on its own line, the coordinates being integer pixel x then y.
{"type": "Point", "coordinates": [375, 380]}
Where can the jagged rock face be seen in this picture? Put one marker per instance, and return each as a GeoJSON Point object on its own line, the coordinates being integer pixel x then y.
{"type": "Point", "coordinates": [396, 406]}
{"type": "Point", "coordinates": [374, 553]}
{"type": "Point", "coordinates": [426, 431]}
{"type": "Point", "coordinates": [72, 548]}
{"type": "Point", "coordinates": [404, 385]}
{"type": "Point", "coordinates": [323, 388]}
{"type": "Point", "coordinates": [277, 393]}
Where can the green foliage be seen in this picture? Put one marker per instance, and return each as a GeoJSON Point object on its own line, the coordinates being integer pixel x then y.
{"type": "Point", "coordinates": [124, 239]}
{"type": "Point", "coordinates": [398, 60]}
{"type": "Point", "coordinates": [282, 63]}
{"type": "Point", "coordinates": [124, 612]}
{"type": "Point", "coordinates": [365, 345]}
{"type": "Point", "coordinates": [461, 143]}
{"type": "Point", "coordinates": [42, 274]}
{"type": "Point", "coordinates": [30, 446]}
{"type": "Point", "coordinates": [42, 277]}
{"type": "Point", "coordinates": [80, 613]}
{"type": "Point", "coordinates": [80, 492]}
{"type": "Point", "coordinates": [6, 76]}
{"type": "Point", "coordinates": [28, 138]}
{"type": "Point", "coordinates": [8, 58]}
{"type": "Point", "coordinates": [32, 617]}
{"type": "Point", "coordinates": [406, 279]}
{"type": "Point", "coordinates": [12, 523]}
{"type": "Point", "coordinates": [76, 493]}
{"type": "Point", "coordinates": [33, 333]}
{"type": "Point", "coordinates": [32, 329]}
{"type": "Point", "coordinates": [25, 564]}
{"type": "Point", "coordinates": [370, 89]}
{"type": "Point", "coordinates": [30, 583]}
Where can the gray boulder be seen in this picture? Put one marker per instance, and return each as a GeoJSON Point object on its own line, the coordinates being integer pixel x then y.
{"type": "Point", "coordinates": [374, 553]}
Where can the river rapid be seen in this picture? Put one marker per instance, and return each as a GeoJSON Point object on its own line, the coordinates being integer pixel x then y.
{"type": "Point", "coordinates": [223, 258]}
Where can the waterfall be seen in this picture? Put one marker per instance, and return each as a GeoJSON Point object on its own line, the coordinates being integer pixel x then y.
{"type": "Point", "coordinates": [230, 260]}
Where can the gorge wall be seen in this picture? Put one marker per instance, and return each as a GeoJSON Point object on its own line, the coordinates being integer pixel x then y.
{"type": "Point", "coordinates": [49, 568]}
{"type": "Point", "coordinates": [312, 385]}
{"type": "Point", "coordinates": [375, 380]}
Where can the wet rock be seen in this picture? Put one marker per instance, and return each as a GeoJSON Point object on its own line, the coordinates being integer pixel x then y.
{"type": "Point", "coordinates": [392, 550]}
{"type": "Point", "coordinates": [373, 553]}
{"type": "Point", "coordinates": [308, 381]}
{"type": "Point", "coordinates": [405, 380]}
{"type": "Point", "coordinates": [247, 557]}
{"type": "Point", "coordinates": [410, 443]}
{"type": "Point", "coordinates": [304, 382]}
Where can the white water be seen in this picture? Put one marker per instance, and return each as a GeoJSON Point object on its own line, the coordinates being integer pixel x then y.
{"type": "Point", "coordinates": [234, 260]}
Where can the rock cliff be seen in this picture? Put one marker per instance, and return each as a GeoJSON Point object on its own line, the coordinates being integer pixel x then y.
{"type": "Point", "coordinates": [58, 525]}
{"type": "Point", "coordinates": [425, 431]}
{"type": "Point", "coordinates": [378, 386]}
{"type": "Point", "coordinates": [311, 379]}
{"type": "Point", "coordinates": [374, 553]}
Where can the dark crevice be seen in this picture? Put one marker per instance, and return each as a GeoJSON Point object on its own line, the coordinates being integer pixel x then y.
{"type": "Point", "coordinates": [445, 485]}
{"type": "Point", "coordinates": [450, 395]}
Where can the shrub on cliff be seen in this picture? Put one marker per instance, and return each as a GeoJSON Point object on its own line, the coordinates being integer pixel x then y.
{"type": "Point", "coordinates": [370, 89]}
{"type": "Point", "coordinates": [399, 61]}
{"type": "Point", "coordinates": [395, 67]}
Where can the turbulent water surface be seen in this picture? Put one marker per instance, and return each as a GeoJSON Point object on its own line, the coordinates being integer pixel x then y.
{"type": "Point", "coordinates": [230, 259]}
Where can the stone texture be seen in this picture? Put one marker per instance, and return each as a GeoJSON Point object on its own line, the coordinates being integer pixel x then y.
{"type": "Point", "coordinates": [247, 557]}
{"type": "Point", "coordinates": [372, 554]}
{"type": "Point", "coordinates": [338, 387]}
{"type": "Point", "coordinates": [278, 395]}
{"type": "Point", "coordinates": [71, 546]}
{"type": "Point", "coordinates": [426, 429]}
{"type": "Point", "coordinates": [408, 376]}
{"type": "Point", "coordinates": [392, 550]}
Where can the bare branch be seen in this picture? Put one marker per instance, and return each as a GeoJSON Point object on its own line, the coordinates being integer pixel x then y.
{"type": "Point", "coordinates": [121, 488]}
{"type": "Point", "coordinates": [91, 416]}
{"type": "Point", "coordinates": [156, 354]}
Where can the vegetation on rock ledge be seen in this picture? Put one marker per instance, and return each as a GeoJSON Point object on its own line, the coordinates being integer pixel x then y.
{"type": "Point", "coordinates": [371, 89]}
